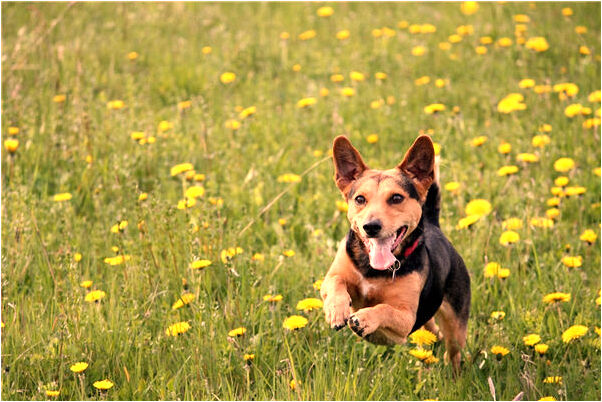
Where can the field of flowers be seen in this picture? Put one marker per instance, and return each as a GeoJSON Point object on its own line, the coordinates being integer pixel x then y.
{"type": "Point", "coordinates": [168, 208]}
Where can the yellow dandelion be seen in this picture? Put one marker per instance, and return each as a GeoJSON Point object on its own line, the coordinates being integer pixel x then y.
{"type": "Point", "coordinates": [572, 261]}
{"type": "Point", "coordinates": [553, 380]}
{"type": "Point", "coordinates": [588, 236]}
{"type": "Point", "coordinates": [468, 221]}
{"type": "Point", "coordinates": [343, 34]}
{"type": "Point", "coordinates": [309, 304]}
{"type": "Point", "coordinates": [538, 43]}
{"type": "Point", "coordinates": [294, 322]}
{"type": "Point", "coordinates": [557, 297]}
{"type": "Point", "coordinates": [423, 337]}
{"type": "Point", "coordinates": [527, 157]}
{"type": "Point", "coordinates": [78, 367]}
{"type": "Point", "coordinates": [499, 351]}
{"type": "Point", "coordinates": [541, 348]}
{"type": "Point", "coordinates": [507, 170]}
{"type": "Point", "coordinates": [540, 141]}
{"type": "Point", "coordinates": [418, 50]}
{"type": "Point", "coordinates": [452, 186]}
{"type": "Point", "coordinates": [181, 168]}
{"type": "Point", "coordinates": [478, 207]}
{"type": "Point", "coordinates": [478, 141]}
{"type": "Point", "coordinates": [469, 7]}
{"type": "Point", "coordinates": [509, 237]}
{"type": "Point", "coordinates": [200, 264]}
{"type": "Point", "coordinates": [289, 253]}
{"type": "Point", "coordinates": [307, 35]}
{"type": "Point", "coordinates": [62, 197]}
{"type": "Point", "coordinates": [52, 393]}
{"type": "Point", "coordinates": [59, 98]}
{"type": "Point", "coordinates": [538, 222]}
{"type": "Point", "coordinates": [185, 299]}
{"type": "Point", "coordinates": [420, 353]}
{"type": "Point", "coordinates": [115, 104]}
{"type": "Point", "coordinates": [325, 11]}
{"type": "Point", "coordinates": [434, 108]}
{"type": "Point", "coordinates": [498, 315]}
{"type": "Point", "coordinates": [306, 102]}
{"type": "Point", "coordinates": [531, 339]}
{"type": "Point", "coordinates": [86, 284]}
{"type": "Point", "coordinates": [227, 77]}
{"type": "Point", "coordinates": [240, 331]}
{"type": "Point", "coordinates": [248, 357]}
{"type": "Point", "coordinates": [372, 138]}
{"type": "Point", "coordinates": [347, 92]}
{"type": "Point", "coordinates": [504, 148]}
{"type": "Point", "coordinates": [95, 295]}
{"type": "Point", "coordinates": [177, 328]}
{"type": "Point", "coordinates": [258, 257]}
{"type": "Point", "coordinates": [491, 269]}
{"type": "Point", "coordinates": [317, 285]}
{"type": "Point", "coordinates": [272, 298]}
{"type": "Point", "coordinates": [504, 42]}
{"type": "Point", "coordinates": [11, 145]}
{"type": "Point", "coordinates": [574, 190]}
{"type": "Point", "coordinates": [574, 332]}
{"type": "Point", "coordinates": [512, 224]}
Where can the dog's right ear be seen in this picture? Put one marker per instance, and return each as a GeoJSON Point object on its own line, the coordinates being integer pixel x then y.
{"type": "Point", "coordinates": [348, 164]}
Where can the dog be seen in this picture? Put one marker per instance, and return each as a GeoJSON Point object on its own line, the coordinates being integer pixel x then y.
{"type": "Point", "coordinates": [395, 270]}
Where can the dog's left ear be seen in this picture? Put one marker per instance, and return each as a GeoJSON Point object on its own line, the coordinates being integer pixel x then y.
{"type": "Point", "coordinates": [419, 164]}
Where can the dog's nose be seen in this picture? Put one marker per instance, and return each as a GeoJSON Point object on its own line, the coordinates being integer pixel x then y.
{"type": "Point", "coordinates": [372, 228]}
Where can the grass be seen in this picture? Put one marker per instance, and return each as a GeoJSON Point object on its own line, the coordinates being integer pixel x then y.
{"type": "Point", "coordinates": [83, 147]}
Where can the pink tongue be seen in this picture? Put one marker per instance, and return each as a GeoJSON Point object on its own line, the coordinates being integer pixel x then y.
{"type": "Point", "coordinates": [380, 253]}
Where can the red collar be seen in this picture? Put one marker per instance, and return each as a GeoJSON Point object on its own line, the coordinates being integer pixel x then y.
{"type": "Point", "coordinates": [410, 250]}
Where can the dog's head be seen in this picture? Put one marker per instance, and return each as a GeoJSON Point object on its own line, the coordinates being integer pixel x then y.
{"type": "Point", "coordinates": [385, 206]}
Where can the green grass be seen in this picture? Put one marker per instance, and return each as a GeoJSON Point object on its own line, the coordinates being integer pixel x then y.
{"type": "Point", "coordinates": [81, 51]}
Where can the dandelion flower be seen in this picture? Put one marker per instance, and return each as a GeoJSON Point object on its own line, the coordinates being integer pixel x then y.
{"type": "Point", "coordinates": [531, 339]}
{"type": "Point", "coordinates": [527, 157]}
{"type": "Point", "coordinates": [95, 295]}
{"type": "Point", "coordinates": [347, 92]}
{"type": "Point", "coordinates": [293, 384]}
{"type": "Point", "coordinates": [572, 261]}
{"type": "Point", "coordinates": [306, 102]}
{"type": "Point", "coordinates": [468, 221]}
{"type": "Point", "coordinates": [510, 103]}
{"type": "Point", "coordinates": [423, 337]}
{"type": "Point", "coordinates": [553, 380]}
{"type": "Point", "coordinates": [185, 299]}
{"type": "Point", "coordinates": [507, 170]}
{"type": "Point", "coordinates": [545, 223]}
{"type": "Point", "coordinates": [512, 224]}
{"type": "Point", "coordinates": [309, 304]}
{"type": "Point", "coordinates": [552, 213]}
{"type": "Point", "coordinates": [258, 257]}
{"type": "Point", "coordinates": [574, 190]}
{"type": "Point", "coordinates": [469, 7]}
{"type": "Point", "coordinates": [325, 11]}
{"type": "Point", "coordinates": [499, 351]}
{"type": "Point", "coordinates": [478, 141]}
{"type": "Point", "coordinates": [434, 108]}
{"type": "Point", "coordinates": [372, 138]}
{"type": "Point", "coordinates": [538, 43]}
{"type": "Point", "coordinates": [343, 34]}
{"type": "Point", "coordinates": [509, 237]}
{"type": "Point", "coordinates": [248, 357]}
{"type": "Point", "coordinates": [11, 145]}
{"type": "Point", "coordinates": [420, 353]}
{"type": "Point", "coordinates": [547, 398]}
{"type": "Point", "coordinates": [541, 348]}
{"type": "Point", "coordinates": [317, 285]}
{"type": "Point", "coordinates": [85, 284]}
{"type": "Point", "coordinates": [491, 269]}
{"type": "Point", "coordinates": [307, 35]}
{"type": "Point", "coordinates": [52, 393]}
{"type": "Point", "coordinates": [479, 207]}
{"type": "Point", "coordinates": [177, 328]}
{"type": "Point", "coordinates": [62, 197]}
{"type": "Point", "coordinates": [272, 299]}
{"type": "Point", "coordinates": [227, 77]}
{"type": "Point", "coordinates": [498, 315]}
{"type": "Point", "coordinates": [181, 168]}
{"type": "Point", "coordinates": [504, 42]}
{"type": "Point", "coordinates": [294, 322]}
{"type": "Point", "coordinates": [240, 331]}
{"type": "Point", "coordinates": [199, 264]}
{"type": "Point", "coordinates": [418, 50]}
{"type": "Point", "coordinates": [115, 104]}
{"type": "Point", "coordinates": [588, 236]}
{"type": "Point", "coordinates": [79, 367]}
{"type": "Point", "coordinates": [556, 297]}
{"type": "Point", "coordinates": [289, 253]}
{"type": "Point", "coordinates": [452, 186]}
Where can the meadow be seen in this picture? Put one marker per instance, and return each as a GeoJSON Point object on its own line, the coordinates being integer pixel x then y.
{"type": "Point", "coordinates": [168, 199]}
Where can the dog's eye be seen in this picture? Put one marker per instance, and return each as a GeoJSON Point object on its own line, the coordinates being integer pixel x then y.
{"type": "Point", "coordinates": [360, 200]}
{"type": "Point", "coordinates": [396, 199]}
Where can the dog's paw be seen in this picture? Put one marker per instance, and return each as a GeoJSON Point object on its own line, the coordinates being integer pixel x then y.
{"type": "Point", "coordinates": [337, 312]}
{"type": "Point", "coordinates": [362, 323]}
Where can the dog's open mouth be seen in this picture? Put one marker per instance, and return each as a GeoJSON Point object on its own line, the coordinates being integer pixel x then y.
{"type": "Point", "coordinates": [380, 250]}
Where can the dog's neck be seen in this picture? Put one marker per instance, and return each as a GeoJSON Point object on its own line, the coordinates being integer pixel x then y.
{"type": "Point", "coordinates": [410, 245]}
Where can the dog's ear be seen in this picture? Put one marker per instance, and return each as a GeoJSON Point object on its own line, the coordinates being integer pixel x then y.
{"type": "Point", "coordinates": [419, 164]}
{"type": "Point", "coordinates": [348, 164]}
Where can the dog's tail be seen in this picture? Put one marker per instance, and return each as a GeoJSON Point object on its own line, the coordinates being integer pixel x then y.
{"type": "Point", "coordinates": [432, 205]}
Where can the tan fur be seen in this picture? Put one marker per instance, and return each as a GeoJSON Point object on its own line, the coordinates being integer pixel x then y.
{"type": "Point", "coordinates": [378, 303]}
{"type": "Point", "coordinates": [454, 333]}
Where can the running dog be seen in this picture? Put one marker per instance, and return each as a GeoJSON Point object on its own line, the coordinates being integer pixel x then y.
{"type": "Point", "coordinates": [395, 270]}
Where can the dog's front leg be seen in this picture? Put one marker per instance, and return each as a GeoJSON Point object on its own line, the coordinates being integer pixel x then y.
{"type": "Point", "coordinates": [337, 302]}
{"type": "Point", "coordinates": [395, 323]}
